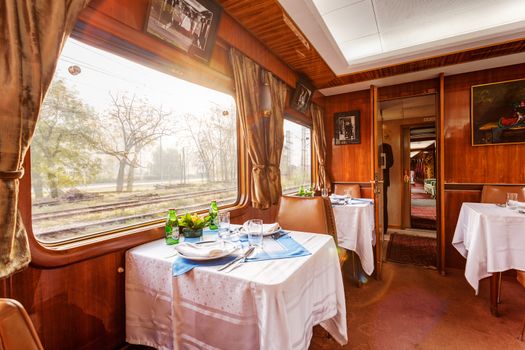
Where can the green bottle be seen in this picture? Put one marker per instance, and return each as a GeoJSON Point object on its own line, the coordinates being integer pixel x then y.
{"type": "Point", "coordinates": [214, 212]}
{"type": "Point", "coordinates": [171, 230]}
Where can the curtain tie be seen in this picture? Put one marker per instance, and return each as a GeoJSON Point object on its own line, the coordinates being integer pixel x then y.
{"type": "Point", "coordinates": [12, 175]}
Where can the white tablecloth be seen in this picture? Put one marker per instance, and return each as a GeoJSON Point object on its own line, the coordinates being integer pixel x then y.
{"type": "Point", "coordinates": [492, 239]}
{"type": "Point", "coordinates": [355, 231]}
{"type": "Point", "coordinates": [269, 304]}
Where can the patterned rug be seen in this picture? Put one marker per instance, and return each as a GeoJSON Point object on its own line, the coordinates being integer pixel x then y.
{"type": "Point", "coordinates": [413, 250]}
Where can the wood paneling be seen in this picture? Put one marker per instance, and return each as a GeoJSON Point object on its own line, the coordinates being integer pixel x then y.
{"type": "Point", "coordinates": [465, 163]}
{"type": "Point", "coordinates": [265, 20]}
{"type": "Point", "coordinates": [349, 163]}
{"type": "Point", "coordinates": [415, 88]}
{"type": "Point", "coordinates": [80, 306]}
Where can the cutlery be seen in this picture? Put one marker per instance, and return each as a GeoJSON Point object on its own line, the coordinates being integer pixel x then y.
{"type": "Point", "coordinates": [237, 261]}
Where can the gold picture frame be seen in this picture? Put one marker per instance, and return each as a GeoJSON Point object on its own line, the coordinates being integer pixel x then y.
{"type": "Point", "coordinates": [497, 113]}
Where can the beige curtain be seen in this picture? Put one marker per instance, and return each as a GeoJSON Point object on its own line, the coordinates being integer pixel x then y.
{"type": "Point", "coordinates": [275, 135]}
{"type": "Point", "coordinates": [247, 75]}
{"type": "Point", "coordinates": [32, 33]}
{"type": "Point", "coordinates": [319, 141]}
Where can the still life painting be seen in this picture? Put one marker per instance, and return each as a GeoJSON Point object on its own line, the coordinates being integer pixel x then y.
{"type": "Point", "coordinates": [498, 113]}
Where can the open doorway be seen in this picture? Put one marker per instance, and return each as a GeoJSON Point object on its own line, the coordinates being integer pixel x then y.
{"type": "Point", "coordinates": [423, 184]}
{"type": "Point", "coordinates": [409, 131]}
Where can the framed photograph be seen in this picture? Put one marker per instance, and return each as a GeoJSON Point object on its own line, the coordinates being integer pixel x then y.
{"type": "Point", "coordinates": [347, 128]}
{"type": "Point", "coordinates": [190, 25]}
{"type": "Point", "coordinates": [302, 96]}
{"type": "Point", "coordinates": [497, 113]}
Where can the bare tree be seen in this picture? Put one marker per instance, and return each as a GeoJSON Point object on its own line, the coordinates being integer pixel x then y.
{"type": "Point", "coordinates": [130, 125]}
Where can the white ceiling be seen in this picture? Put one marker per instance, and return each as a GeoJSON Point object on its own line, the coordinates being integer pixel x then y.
{"type": "Point", "coordinates": [357, 35]}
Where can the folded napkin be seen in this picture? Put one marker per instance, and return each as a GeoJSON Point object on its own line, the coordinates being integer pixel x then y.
{"type": "Point", "coordinates": [267, 228]}
{"type": "Point", "coordinates": [201, 250]}
{"type": "Point", "coordinates": [337, 197]}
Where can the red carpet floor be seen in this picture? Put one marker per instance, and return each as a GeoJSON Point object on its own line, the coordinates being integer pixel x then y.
{"type": "Point", "coordinates": [414, 250]}
{"type": "Point", "coordinates": [417, 308]}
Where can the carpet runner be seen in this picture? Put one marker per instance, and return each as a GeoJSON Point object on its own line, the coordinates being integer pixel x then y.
{"type": "Point", "coordinates": [415, 250]}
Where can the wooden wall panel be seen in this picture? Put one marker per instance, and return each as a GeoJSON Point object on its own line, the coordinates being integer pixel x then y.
{"type": "Point", "coordinates": [349, 163]}
{"type": "Point", "coordinates": [416, 88]}
{"type": "Point", "coordinates": [80, 306]}
{"type": "Point", "coordinates": [465, 163]}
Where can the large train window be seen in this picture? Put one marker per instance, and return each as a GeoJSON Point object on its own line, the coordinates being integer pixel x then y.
{"type": "Point", "coordinates": [296, 158]}
{"type": "Point", "coordinates": [118, 143]}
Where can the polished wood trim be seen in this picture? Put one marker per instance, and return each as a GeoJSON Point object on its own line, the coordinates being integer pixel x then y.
{"type": "Point", "coordinates": [440, 133]}
{"type": "Point", "coordinates": [361, 184]}
{"type": "Point", "coordinates": [377, 192]}
{"type": "Point", "coordinates": [475, 186]}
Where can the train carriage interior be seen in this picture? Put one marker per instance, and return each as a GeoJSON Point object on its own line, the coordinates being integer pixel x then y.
{"type": "Point", "coordinates": [272, 174]}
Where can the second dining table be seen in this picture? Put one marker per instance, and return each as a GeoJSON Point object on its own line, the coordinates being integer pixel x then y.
{"type": "Point", "coordinates": [355, 229]}
{"type": "Point", "coordinates": [271, 304]}
{"type": "Point", "coordinates": [492, 239]}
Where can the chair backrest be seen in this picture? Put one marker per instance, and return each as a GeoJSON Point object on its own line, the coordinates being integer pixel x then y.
{"type": "Point", "coordinates": [498, 194]}
{"type": "Point", "coordinates": [355, 189]}
{"type": "Point", "coordinates": [16, 328]}
{"type": "Point", "coordinates": [521, 277]}
{"type": "Point", "coordinates": [308, 214]}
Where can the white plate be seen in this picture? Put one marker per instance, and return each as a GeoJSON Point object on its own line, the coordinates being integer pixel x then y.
{"type": "Point", "coordinates": [269, 233]}
{"type": "Point", "coordinates": [230, 248]}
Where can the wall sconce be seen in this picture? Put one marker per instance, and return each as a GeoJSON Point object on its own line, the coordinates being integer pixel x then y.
{"type": "Point", "coordinates": [265, 95]}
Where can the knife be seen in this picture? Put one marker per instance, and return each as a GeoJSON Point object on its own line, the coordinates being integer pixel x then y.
{"type": "Point", "coordinates": [240, 259]}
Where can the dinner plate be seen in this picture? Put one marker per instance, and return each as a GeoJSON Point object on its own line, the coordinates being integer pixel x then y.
{"type": "Point", "coordinates": [230, 249]}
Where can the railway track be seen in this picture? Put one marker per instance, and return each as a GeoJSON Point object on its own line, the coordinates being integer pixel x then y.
{"type": "Point", "coordinates": [147, 200]}
{"type": "Point", "coordinates": [60, 233]}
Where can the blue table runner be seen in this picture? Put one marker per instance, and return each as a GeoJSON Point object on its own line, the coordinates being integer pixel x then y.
{"type": "Point", "coordinates": [291, 249]}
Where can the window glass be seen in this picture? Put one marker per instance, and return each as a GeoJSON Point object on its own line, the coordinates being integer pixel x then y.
{"type": "Point", "coordinates": [118, 143]}
{"type": "Point", "coordinates": [296, 157]}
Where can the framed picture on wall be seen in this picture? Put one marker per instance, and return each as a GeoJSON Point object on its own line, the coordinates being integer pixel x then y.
{"type": "Point", "coordinates": [302, 96]}
{"type": "Point", "coordinates": [190, 25]}
{"type": "Point", "coordinates": [497, 113]}
{"type": "Point", "coordinates": [347, 128]}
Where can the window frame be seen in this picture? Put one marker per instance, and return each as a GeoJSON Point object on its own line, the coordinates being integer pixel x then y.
{"type": "Point", "coordinates": [76, 249]}
{"type": "Point", "coordinates": [301, 119]}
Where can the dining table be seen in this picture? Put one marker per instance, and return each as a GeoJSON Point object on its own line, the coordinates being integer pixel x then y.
{"type": "Point", "coordinates": [267, 304]}
{"type": "Point", "coordinates": [492, 239]}
{"type": "Point", "coordinates": [354, 220]}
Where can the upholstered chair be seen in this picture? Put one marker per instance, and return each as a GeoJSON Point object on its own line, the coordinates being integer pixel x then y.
{"type": "Point", "coordinates": [355, 190]}
{"type": "Point", "coordinates": [309, 214]}
{"type": "Point", "coordinates": [16, 328]}
{"type": "Point", "coordinates": [498, 194]}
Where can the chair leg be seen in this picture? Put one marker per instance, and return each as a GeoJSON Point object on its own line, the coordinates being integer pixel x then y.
{"type": "Point", "coordinates": [522, 330]}
{"type": "Point", "coordinates": [499, 288]}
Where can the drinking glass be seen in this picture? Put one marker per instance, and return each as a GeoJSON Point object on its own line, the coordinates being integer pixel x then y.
{"type": "Point", "coordinates": [348, 195]}
{"type": "Point", "coordinates": [512, 201]}
{"type": "Point", "coordinates": [324, 192]}
{"type": "Point", "coordinates": [255, 233]}
{"type": "Point", "coordinates": [224, 224]}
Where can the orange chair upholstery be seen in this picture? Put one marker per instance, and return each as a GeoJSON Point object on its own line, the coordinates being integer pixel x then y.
{"type": "Point", "coordinates": [309, 214]}
{"type": "Point", "coordinates": [498, 194]}
{"type": "Point", "coordinates": [16, 328]}
{"type": "Point", "coordinates": [355, 189]}
{"type": "Point", "coordinates": [521, 280]}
